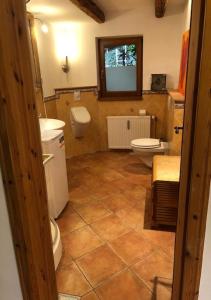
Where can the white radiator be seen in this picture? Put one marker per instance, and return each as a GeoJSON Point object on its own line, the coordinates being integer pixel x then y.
{"type": "Point", "coordinates": [123, 129]}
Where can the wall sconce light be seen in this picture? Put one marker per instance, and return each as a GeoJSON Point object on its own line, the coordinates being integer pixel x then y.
{"type": "Point", "coordinates": [66, 67]}
{"type": "Point", "coordinates": [44, 27]}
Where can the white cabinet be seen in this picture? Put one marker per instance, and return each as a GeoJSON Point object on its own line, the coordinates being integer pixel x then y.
{"type": "Point", "coordinates": [53, 143]}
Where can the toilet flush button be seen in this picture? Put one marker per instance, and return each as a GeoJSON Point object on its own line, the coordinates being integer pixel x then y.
{"type": "Point", "coordinates": [77, 95]}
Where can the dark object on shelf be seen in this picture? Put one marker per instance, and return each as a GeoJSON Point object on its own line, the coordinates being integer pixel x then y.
{"type": "Point", "coordinates": [158, 82]}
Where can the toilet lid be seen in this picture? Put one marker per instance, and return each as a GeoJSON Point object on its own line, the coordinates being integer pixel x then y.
{"type": "Point", "coordinates": [81, 114]}
{"type": "Point", "coordinates": [146, 143]}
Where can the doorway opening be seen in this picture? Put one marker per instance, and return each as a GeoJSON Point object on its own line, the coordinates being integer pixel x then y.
{"type": "Point", "coordinates": [108, 179]}
{"type": "Point", "coordinates": [120, 220]}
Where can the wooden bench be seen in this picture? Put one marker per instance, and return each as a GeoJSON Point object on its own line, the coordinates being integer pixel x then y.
{"type": "Point", "coordinates": [165, 190]}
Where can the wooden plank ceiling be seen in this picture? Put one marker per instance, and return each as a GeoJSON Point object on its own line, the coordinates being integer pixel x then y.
{"type": "Point", "coordinates": [91, 9]}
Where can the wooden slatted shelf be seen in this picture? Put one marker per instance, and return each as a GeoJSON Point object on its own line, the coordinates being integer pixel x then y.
{"type": "Point", "coordinates": [165, 190]}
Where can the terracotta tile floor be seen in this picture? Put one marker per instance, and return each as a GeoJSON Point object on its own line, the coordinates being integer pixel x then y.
{"type": "Point", "coordinates": [107, 254]}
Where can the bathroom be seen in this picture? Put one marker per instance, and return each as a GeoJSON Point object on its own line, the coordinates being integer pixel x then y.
{"type": "Point", "coordinates": [107, 239]}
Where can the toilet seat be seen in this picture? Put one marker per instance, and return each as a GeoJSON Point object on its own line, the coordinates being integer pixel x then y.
{"type": "Point", "coordinates": [146, 143]}
{"type": "Point", "coordinates": [147, 148]}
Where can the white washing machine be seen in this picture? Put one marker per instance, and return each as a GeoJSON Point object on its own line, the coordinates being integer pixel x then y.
{"type": "Point", "coordinates": [56, 171]}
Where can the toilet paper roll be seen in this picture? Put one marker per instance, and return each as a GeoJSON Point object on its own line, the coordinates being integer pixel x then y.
{"type": "Point", "coordinates": [142, 112]}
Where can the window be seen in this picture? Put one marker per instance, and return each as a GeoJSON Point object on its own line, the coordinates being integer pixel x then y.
{"type": "Point", "coordinates": [120, 65]}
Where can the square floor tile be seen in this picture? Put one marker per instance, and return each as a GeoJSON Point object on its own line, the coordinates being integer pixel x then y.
{"type": "Point", "coordinates": [66, 259]}
{"type": "Point", "coordinates": [80, 196]}
{"type": "Point", "coordinates": [66, 211]}
{"type": "Point", "coordinates": [99, 193]}
{"type": "Point", "coordinates": [116, 202]}
{"type": "Point", "coordinates": [132, 217]}
{"type": "Point", "coordinates": [109, 227]}
{"type": "Point", "coordinates": [81, 241]}
{"type": "Point", "coordinates": [92, 211]}
{"type": "Point", "coordinates": [111, 175]}
{"type": "Point", "coordinates": [70, 223]}
{"type": "Point", "coordinates": [124, 286]}
{"type": "Point", "coordinates": [155, 265]}
{"type": "Point", "coordinates": [138, 193]}
{"type": "Point", "coordinates": [111, 188]}
{"type": "Point", "coordinates": [131, 247]}
{"type": "Point", "coordinates": [71, 281]}
{"type": "Point", "coordinates": [123, 184]}
{"type": "Point", "coordinates": [161, 239]}
{"type": "Point", "coordinates": [100, 264]}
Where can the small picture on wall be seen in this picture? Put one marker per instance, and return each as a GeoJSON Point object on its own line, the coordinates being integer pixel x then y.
{"type": "Point", "coordinates": [158, 82]}
{"type": "Point", "coordinates": [184, 62]}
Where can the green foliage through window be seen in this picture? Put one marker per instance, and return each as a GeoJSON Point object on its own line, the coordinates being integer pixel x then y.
{"type": "Point", "coordinates": [120, 56]}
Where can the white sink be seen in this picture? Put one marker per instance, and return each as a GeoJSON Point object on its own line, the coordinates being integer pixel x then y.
{"type": "Point", "coordinates": [50, 124]}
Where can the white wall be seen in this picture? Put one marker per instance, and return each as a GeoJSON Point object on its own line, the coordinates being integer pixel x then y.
{"type": "Point", "coordinates": [48, 63]}
{"type": "Point", "coordinates": [162, 46]}
{"type": "Point", "coordinates": [9, 281]}
{"type": "Point", "coordinates": [187, 15]}
{"type": "Point", "coordinates": [205, 284]}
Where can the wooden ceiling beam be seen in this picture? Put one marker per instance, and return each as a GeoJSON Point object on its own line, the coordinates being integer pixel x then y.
{"type": "Point", "coordinates": [91, 9]}
{"type": "Point", "coordinates": [160, 8]}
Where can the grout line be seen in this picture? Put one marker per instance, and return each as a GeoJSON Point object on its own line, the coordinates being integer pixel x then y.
{"type": "Point", "coordinates": [92, 291]}
{"type": "Point", "coordinates": [111, 277]}
{"type": "Point", "coordinates": [142, 280]}
{"type": "Point", "coordinates": [87, 253]}
{"type": "Point", "coordinates": [103, 281]}
{"type": "Point", "coordinates": [84, 274]}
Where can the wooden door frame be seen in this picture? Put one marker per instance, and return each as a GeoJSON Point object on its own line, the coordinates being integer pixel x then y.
{"type": "Point", "coordinates": [21, 157]}
{"type": "Point", "coordinates": [23, 173]}
{"type": "Point", "coordinates": [196, 162]}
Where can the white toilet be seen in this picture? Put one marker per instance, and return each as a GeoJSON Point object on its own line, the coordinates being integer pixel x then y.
{"type": "Point", "coordinates": [56, 242]}
{"type": "Point", "coordinates": [80, 119]}
{"type": "Point", "coordinates": [147, 148]}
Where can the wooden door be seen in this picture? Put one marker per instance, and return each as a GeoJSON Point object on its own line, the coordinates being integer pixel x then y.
{"type": "Point", "coordinates": [196, 159]}
{"type": "Point", "coordinates": [21, 157]}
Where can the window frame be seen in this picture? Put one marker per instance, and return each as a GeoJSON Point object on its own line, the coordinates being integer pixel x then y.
{"type": "Point", "coordinates": [105, 42]}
